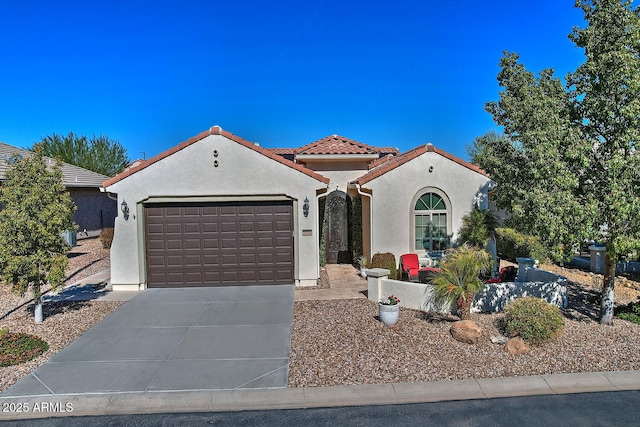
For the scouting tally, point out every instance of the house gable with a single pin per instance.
(214, 130)
(389, 163)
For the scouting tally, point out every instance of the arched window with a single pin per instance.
(430, 214)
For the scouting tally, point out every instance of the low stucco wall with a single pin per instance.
(493, 298)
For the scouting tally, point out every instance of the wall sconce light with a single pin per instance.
(125, 210)
(305, 207)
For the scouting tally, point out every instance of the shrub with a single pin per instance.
(106, 237)
(630, 312)
(511, 245)
(385, 260)
(534, 320)
(17, 348)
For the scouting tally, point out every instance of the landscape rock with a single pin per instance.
(466, 331)
(516, 346)
(498, 339)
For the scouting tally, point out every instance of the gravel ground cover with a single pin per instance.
(63, 321)
(342, 342)
(339, 342)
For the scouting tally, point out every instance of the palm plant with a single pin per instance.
(478, 226)
(459, 276)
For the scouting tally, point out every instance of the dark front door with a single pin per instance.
(338, 238)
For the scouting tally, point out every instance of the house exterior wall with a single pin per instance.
(95, 210)
(340, 173)
(190, 175)
(394, 195)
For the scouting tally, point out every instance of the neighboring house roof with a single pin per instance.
(388, 163)
(73, 176)
(215, 130)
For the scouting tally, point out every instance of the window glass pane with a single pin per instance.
(421, 204)
(438, 204)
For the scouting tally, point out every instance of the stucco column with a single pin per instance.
(374, 282)
(524, 264)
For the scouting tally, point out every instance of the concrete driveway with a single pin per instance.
(233, 337)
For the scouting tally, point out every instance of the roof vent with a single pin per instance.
(256, 144)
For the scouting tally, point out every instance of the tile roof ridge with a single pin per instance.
(341, 138)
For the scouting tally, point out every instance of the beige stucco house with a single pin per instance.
(219, 210)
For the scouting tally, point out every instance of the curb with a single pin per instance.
(64, 405)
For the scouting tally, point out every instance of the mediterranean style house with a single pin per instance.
(220, 210)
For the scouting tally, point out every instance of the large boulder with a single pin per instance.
(516, 346)
(466, 331)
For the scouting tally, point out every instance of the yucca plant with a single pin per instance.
(459, 276)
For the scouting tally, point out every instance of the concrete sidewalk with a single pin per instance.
(312, 397)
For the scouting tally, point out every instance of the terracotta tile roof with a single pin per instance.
(388, 150)
(377, 162)
(385, 164)
(215, 130)
(282, 151)
(335, 144)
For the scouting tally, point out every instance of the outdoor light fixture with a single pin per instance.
(125, 209)
(305, 207)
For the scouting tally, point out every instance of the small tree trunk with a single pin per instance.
(37, 312)
(463, 307)
(606, 307)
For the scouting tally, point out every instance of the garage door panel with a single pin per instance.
(195, 211)
(246, 242)
(173, 244)
(228, 259)
(265, 226)
(192, 243)
(246, 226)
(173, 261)
(173, 229)
(192, 227)
(210, 227)
(210, 243)
(173, 212)
(229, 243)
(193, 260)
(219, 244)
(210, 260)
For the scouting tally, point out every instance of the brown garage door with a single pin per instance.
(225, 243)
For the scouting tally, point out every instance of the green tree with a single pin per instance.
(566, 168)
(459, 276)
(99, 153)
(37, 210)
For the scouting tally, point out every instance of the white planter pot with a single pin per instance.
(389, 313)
(363, 273)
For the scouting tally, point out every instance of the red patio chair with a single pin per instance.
(410, 266)
(507, 274)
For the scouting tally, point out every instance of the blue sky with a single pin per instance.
(281, 73)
